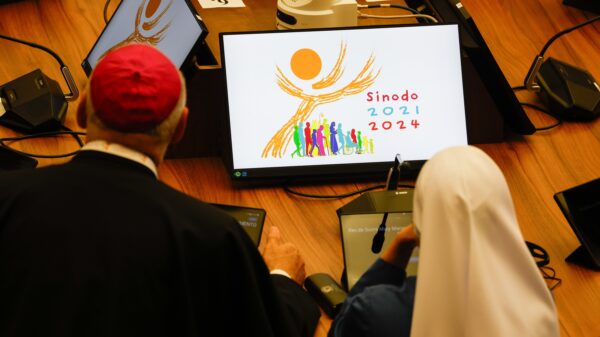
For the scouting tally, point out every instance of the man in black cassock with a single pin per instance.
(99, 247)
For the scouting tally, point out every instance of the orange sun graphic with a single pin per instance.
(306, 64)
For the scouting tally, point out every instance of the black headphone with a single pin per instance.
(540, 255)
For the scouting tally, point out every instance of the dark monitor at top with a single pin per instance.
(477, 54)
(173, 26)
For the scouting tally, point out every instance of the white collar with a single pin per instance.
(121, 151)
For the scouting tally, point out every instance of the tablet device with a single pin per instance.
(173, 26)
(581, 206)
(251, 219)
(340, 101)
(359, 222)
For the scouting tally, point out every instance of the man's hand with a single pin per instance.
(283, 255)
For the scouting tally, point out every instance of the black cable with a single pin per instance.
(35, 45)
(539, 108)
(539, 58)
(568, 30)
(332, 196)
(406, 8)
(550, 274)
(340, 196)
(74, 134)
(412, 10)
(106, 11)
(42, 134)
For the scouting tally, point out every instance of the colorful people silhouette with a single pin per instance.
(359, 139)
(341, 137)
(332, 139)
(320, 141)
(326, 134)
(308, 137)
(314, 143)
(302, 138)
(297, 142)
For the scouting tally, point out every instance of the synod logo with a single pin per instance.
(149, 25)
(306, 65)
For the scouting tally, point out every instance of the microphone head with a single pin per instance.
(378, 241)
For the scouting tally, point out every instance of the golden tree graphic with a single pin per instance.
(306, 64)
(144, 25)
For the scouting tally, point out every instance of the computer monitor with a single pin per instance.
(173, 26)
(343, 101)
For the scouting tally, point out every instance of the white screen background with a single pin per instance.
(423, 60)
(177, 42)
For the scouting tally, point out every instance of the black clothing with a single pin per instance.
(99, 247)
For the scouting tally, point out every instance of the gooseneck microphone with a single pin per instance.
(391, 184)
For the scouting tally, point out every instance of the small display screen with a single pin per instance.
(357, 235)
(581, 207)
(251, 219)
(170, 25)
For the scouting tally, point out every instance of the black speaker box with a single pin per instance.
(569, 92)
(33, 103)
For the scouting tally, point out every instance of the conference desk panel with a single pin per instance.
(535, 166)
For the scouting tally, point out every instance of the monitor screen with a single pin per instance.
(172, 26)
(337, 101)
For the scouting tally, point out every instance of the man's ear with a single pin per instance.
(181, 124)
(81, 111)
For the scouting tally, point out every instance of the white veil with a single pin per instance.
(476, 277)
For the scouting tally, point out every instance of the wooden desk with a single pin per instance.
(535, 166)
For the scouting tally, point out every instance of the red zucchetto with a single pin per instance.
(134, 88)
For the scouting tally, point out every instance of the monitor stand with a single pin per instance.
(581, 257)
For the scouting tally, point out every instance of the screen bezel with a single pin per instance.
(234, 209)
(565, 201)
(87, 68)
(317, 173)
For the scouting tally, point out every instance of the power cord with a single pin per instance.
(415, 13)
(340, 196)
(541, 109)
(529, 81)
(66, 131)
(549, 274)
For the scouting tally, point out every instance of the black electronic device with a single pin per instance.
(328, 294)
(569, 92)
(581, 207)
(488, 94)
(311, 109)
(34, 102)
(586, 5)
(11, 160)
(250, 218)
(361, 219)
(172, 26)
